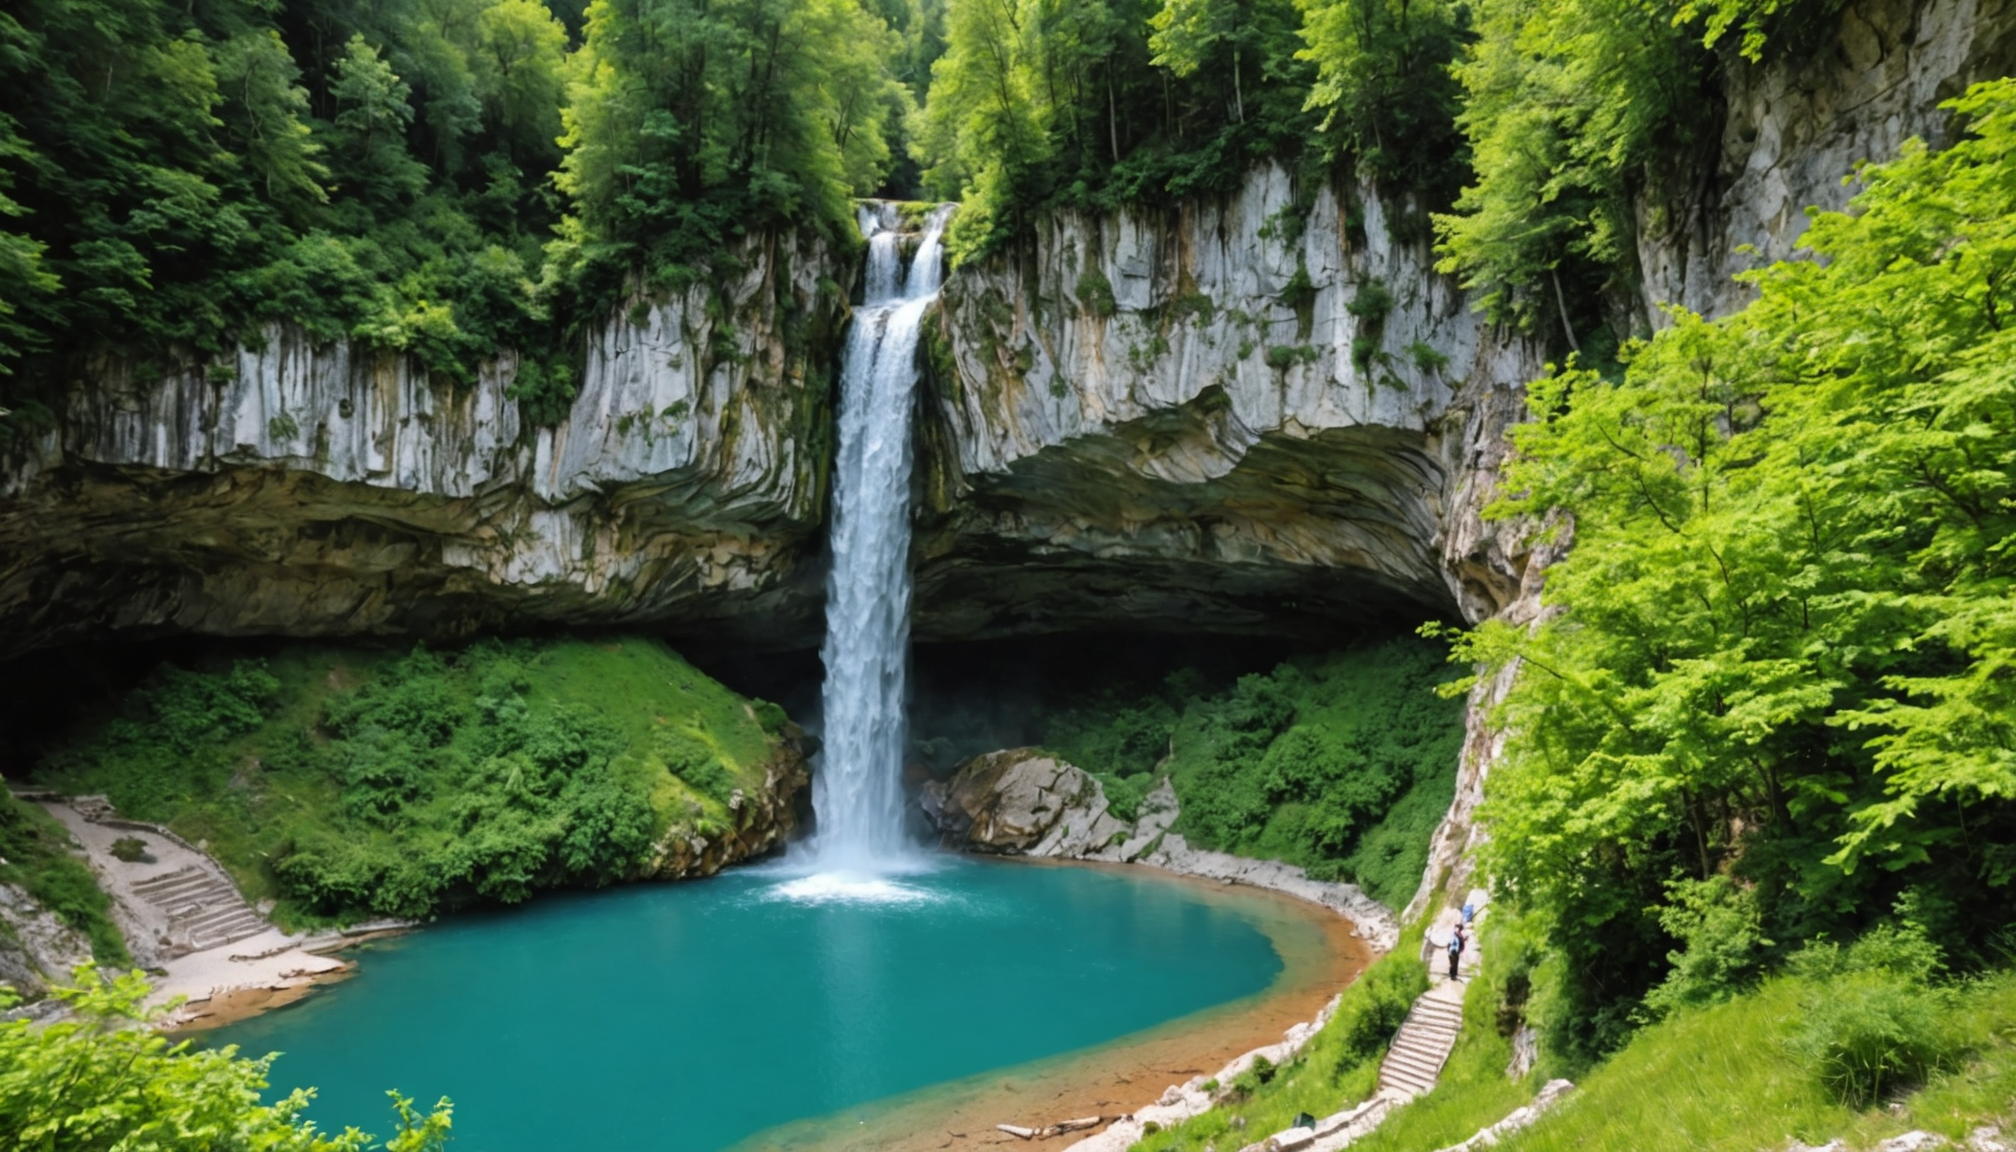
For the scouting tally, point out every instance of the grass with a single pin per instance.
(1722, 1079)
(1337, 1069)
(1342, 763)
(344, 782)
(1719, 1079)
(36, 851)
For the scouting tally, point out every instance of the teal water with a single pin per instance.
(686, 1017)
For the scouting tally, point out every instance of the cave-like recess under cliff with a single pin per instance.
(1215, 440)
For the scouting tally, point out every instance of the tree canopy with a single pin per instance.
(100, 1078)
(1787, 627)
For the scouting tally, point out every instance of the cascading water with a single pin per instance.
(857, 793)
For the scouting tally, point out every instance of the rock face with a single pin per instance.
(1800, 124)
(1263, 415)
(1023, 801)
(37, 949)
(316, 490)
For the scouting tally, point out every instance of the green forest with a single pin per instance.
(1752, 833)
(451, 178)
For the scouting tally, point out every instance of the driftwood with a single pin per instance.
(1057, 1129)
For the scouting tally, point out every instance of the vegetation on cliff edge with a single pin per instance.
(1342, 763)
(1776, 699)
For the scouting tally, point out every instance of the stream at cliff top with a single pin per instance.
(693, 1016)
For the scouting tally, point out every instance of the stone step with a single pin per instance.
(183, 875)
(236, 922)
(213, 916)
(1410, 1070)
(240, 931)
(195, 906)
(185, 894)
(1409, 1085)
(1428, 1029)
(1433, 1054)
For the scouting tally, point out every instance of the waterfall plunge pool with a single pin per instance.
(760, 1010)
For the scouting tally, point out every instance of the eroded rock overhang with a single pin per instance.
(314, 488)
(1263, 415)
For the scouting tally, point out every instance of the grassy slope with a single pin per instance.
(36, 854)
(257, 791)
(1342, 763)
(1719, 1079)
(1376, 728)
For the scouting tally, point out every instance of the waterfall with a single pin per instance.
(857, 793)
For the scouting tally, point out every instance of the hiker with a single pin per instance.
(1469, 914)
(1455, 949)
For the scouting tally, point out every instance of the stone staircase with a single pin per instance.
(1414, 1063)
(204, 909)
(1422, 1045)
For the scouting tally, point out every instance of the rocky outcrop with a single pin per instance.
(1023, 801)
(37, 949)
(1799, 124)
(313, 489)
(1262, 415)
(1027, 802)
(760, 822)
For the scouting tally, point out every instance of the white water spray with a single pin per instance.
(857, 793)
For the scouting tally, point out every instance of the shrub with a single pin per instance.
(101, 1079)
(431, 781)
(1872, 1033)
(1095, 292)
(770, 716)
(131, 849)
(1721, 929)
(1368, 1018)
(1873, 1021)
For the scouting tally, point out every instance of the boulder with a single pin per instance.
(1022, 801)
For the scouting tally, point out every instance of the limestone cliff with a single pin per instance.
(1264, 414)
(1797, 125)
(1795, 129)
(319, 489)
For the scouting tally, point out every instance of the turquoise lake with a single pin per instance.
(690, 1016)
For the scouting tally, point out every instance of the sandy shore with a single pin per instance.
(1321, 954)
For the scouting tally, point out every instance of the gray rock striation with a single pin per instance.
(319, 489)
(1247, 416)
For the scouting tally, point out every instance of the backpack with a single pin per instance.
(1455, 944)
